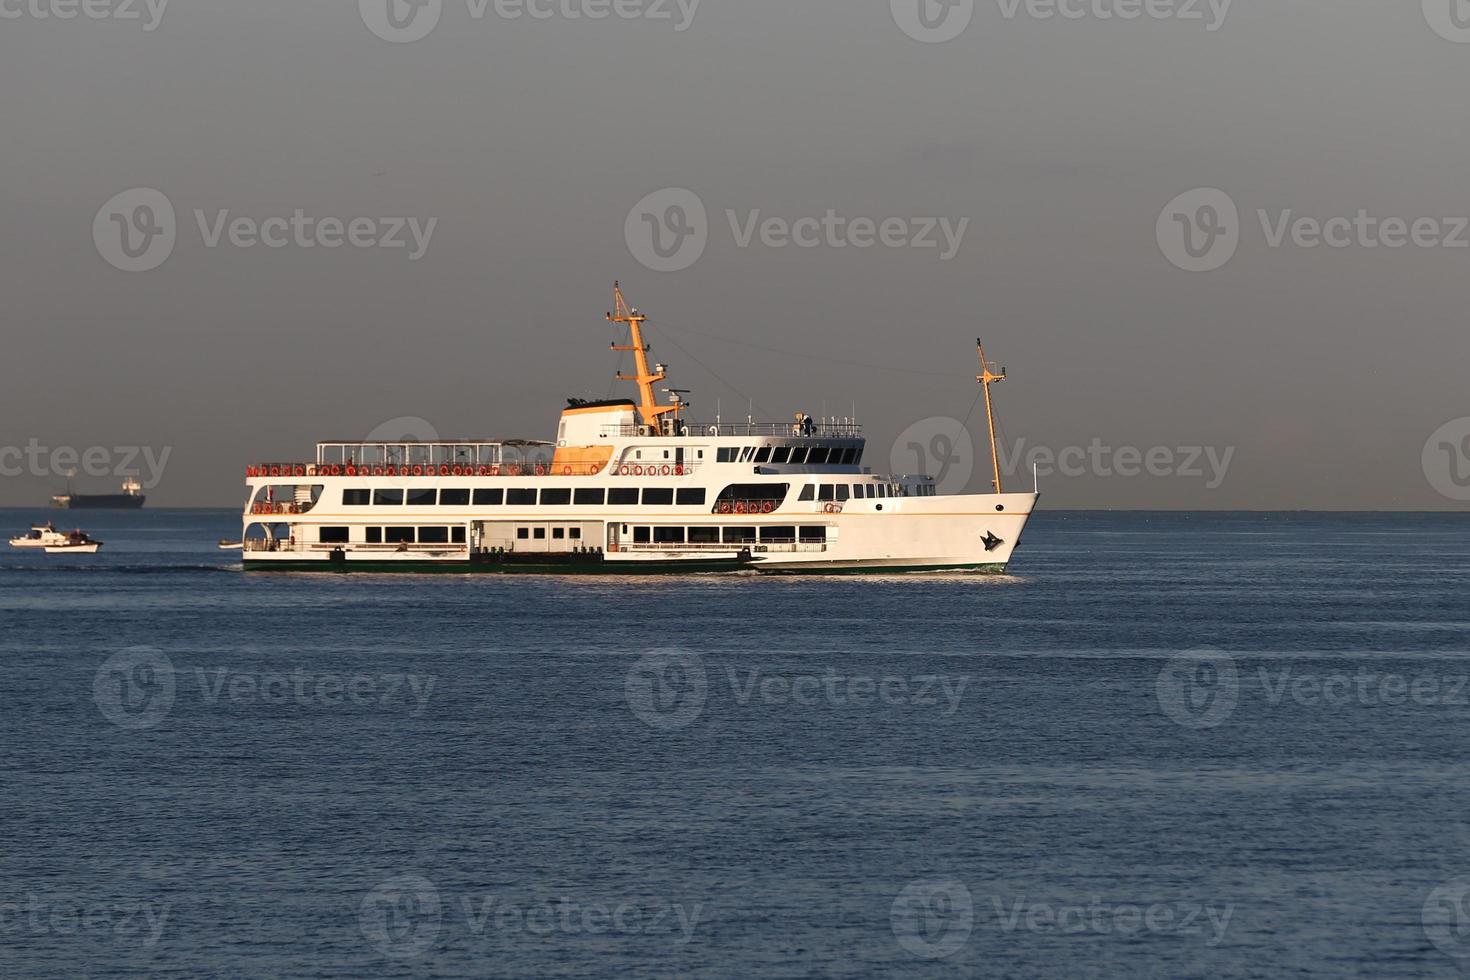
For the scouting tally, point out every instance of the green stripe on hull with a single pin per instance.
(597, 568)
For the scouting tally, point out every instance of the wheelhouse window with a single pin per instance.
(817, 456)
(726, 454)
(658, 496)
(591, 497)
(333, 535)
(798, 455)
(556, 497)
(521, 497)
(423, 498)
(826, 492)
(455, 498)
(388, 498)
(808, 492)
(781, 454)
(842, 495)
(763, 454)
(691, 497)
(489, 497)
(623, 496)
(358, 497)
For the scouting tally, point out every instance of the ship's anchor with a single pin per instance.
(990, 541)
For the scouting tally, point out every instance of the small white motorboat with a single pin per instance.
(56, 542)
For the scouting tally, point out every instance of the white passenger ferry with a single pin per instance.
(627, 487)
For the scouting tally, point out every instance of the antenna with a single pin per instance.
(645, 379)
(988, 377)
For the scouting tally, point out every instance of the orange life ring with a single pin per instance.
(300, 470)
(275, 471)
(484, 471)
(678, 471)
(724, 507)
(443, 469)
(665, 471)
(377, 471)
(514, 469)
(495, 470)
(418, 470)
(540, 470)
(740, 507)
(767, 507)
(457, 470)
(566, 471)
(624, 470)
(637, 471)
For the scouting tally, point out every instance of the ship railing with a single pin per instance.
(752, 508)
(781, 545)
(268, 507)
(298, 471)
(458, 452)
(714, 430)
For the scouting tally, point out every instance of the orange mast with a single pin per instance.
(648, 406)
(988, 377)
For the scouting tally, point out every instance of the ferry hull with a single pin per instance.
(976, 533)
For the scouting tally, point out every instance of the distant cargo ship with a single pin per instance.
(131, 498)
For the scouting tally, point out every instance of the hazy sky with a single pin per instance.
(1315, 375)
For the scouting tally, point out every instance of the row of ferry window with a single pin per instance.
(525, 497)
(843, 492)
(397, 535)
(793, 455)
(731, 535)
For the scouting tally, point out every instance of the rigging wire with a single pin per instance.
(791, 353)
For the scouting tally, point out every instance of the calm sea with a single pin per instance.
(1168, 745)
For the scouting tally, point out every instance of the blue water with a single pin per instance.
(209, 773)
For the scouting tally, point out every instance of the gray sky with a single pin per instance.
(530, 141)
